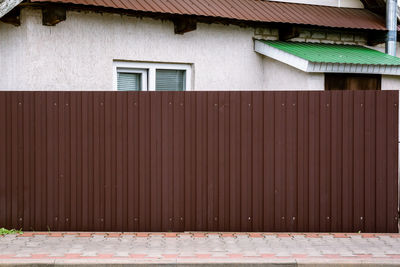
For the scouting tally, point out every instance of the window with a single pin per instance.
(170, 80)
(131, 80)
(142, 76)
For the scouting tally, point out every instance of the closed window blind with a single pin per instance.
(170, 80)
(129, 81)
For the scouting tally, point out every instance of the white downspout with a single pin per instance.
(391, 25)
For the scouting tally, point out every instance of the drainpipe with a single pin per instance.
(391, 25)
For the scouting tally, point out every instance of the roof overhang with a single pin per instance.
(322, 67)
(7, 5)
(250, 12)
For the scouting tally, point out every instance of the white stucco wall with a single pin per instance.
(390, 82)
(12, 55)
(280, 76)
(336, 3)
(78, 54)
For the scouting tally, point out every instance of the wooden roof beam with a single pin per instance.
(183, 25)
(13, 17)
(52, 15)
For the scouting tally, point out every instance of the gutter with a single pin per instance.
(7, 5)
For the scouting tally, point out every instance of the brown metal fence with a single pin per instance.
(215, 161)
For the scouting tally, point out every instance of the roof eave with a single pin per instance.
(277, 54)
(7, 5)
(322, 67)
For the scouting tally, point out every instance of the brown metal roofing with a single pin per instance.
(248, 10)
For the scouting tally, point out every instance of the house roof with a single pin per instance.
(247, 10)
(316, 57)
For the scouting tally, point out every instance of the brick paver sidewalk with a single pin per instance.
(201, 248)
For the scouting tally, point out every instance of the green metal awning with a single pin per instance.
(316, 57)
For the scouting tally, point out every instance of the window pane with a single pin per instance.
(170, 80)
(129, 81)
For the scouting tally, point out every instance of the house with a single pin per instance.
(203, 161)
(194, 45)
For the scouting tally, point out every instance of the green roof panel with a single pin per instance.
(334, 53)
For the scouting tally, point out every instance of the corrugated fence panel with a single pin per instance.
(302, 162)
(336, 160)
(215, 161)
(3, 159)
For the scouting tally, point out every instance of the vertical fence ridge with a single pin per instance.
(205, 161)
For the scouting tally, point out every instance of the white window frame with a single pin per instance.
(148, 71)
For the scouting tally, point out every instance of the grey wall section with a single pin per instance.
(215, 161)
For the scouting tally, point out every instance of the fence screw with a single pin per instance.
(101, 104)
(20, 103)
(249, 105)
(55, 104)
(170, 219)
(283, 218)
(135, 104)
(102, 220)
(362, 104)
(249, 218)
(170, 103)
(56, 219)
(294, 104)
(20, 219)
(181, 218)
(327, 218)
(67, 104)
(283, 104)
(294, 218)
(181, 104)
(136, 219)
(216, 219)
(67, 219)
(327, 105)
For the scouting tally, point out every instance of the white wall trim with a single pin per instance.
(7, 5)
(317, 67)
